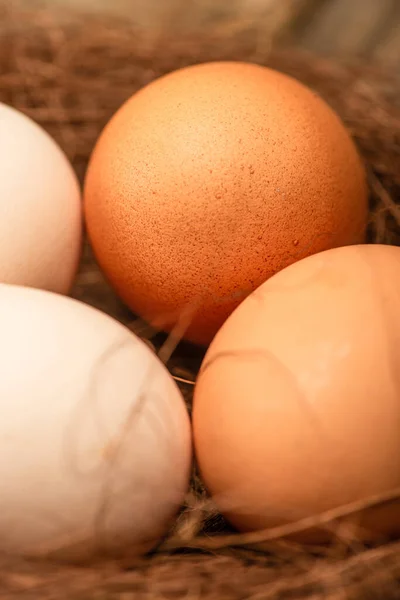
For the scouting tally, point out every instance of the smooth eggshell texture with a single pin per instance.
(211, 179)
(40, 207)
(95, 442)
(297, 406)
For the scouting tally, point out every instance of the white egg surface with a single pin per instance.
(95, 442)
(40, 207)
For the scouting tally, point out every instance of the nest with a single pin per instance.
(70, 74)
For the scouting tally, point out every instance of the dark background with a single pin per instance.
(368, 29)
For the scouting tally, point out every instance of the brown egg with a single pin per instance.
(211, 179)
(297, 405)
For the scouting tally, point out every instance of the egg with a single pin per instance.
(211, 179)
(40, 207)
(297, 405)
(95, 440)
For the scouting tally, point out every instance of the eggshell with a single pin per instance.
(95, 442)
(40, 207)
(297, 406)
(211, 179)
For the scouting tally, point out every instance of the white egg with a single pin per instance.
(95, 440)
(40, 207)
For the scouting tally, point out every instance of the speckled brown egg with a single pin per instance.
(211, 179)
(297, 405)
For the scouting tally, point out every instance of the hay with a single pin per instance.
(70, 74)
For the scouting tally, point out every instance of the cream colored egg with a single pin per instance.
(95, 443)
(40, 207)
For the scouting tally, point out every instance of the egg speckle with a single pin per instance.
(211, 179)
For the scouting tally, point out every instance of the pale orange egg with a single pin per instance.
(297, 406)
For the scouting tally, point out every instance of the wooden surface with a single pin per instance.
(364, 28)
